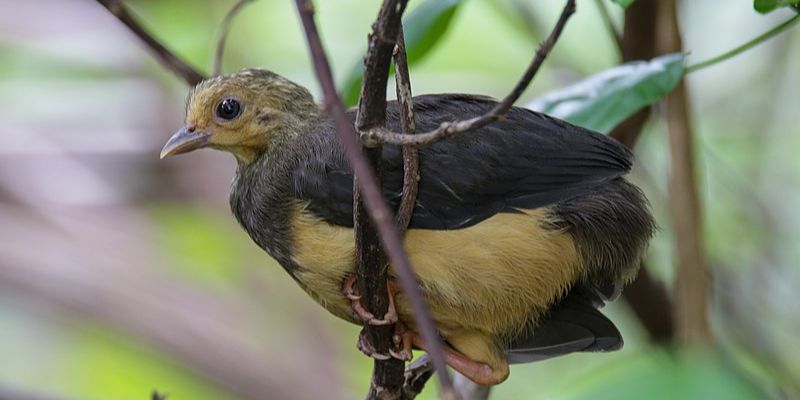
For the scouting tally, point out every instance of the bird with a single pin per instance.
(521, 230)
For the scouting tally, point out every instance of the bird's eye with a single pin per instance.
(228, 109)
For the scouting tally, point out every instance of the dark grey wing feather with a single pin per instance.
(526, 160)
(572, 325)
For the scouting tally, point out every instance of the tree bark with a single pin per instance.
(647, 297)
(692, 283)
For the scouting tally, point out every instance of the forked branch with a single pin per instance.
(447, 129)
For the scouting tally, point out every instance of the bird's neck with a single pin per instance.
(261, 200)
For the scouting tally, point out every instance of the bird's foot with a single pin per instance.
(403, 340)
(401, 350)
(365, 345)
(351, 292)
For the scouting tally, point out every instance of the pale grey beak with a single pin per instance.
(184, 141)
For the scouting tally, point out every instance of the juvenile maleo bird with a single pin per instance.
(521, 229)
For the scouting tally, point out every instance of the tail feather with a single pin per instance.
(573, 325)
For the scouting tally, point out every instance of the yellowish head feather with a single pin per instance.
(271, 108)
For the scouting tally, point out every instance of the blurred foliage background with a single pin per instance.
(120, 273)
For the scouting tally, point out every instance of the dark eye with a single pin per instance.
(228, 109)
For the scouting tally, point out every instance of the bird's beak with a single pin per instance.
(184, 141)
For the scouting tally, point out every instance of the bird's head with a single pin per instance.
(245, 113)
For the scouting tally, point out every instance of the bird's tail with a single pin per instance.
(574, 324)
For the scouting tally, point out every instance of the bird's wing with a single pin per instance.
(524, 161)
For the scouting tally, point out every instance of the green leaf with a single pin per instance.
(765, 6)
(660, 376)
(601, 101)
(423, 27)
(623, 3)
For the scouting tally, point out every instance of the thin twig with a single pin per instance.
(417, 373)
(447, 129)
(224, 30)
(166, 57)
(376, 207)
(410, 154)
(744, 47)
(608, 22)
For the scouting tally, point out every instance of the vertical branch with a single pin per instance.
(647, 297)
(693, 281)
(410, 153)
(368, 186)
(166, 57)
(371, 266)
(638, 43)
(418, 372)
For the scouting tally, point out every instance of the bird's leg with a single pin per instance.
(402, 340)
(351, 292)
(475, 371)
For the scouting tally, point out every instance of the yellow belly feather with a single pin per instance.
(492, 278)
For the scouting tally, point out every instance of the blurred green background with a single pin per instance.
(120, 273)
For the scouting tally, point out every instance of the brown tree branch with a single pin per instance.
(224, 30)
(647, 297)
(368, 184)
(371, 267)
(408, 126)
(166, 57)
(417, 374)
(692, 281)
(378, 135)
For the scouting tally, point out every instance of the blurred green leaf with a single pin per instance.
(600, 102)
(423, 27)
(661, 376)
(765, 6)
(623, 3)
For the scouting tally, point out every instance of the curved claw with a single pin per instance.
(401, 355)
(366, 347)
(349, 290)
